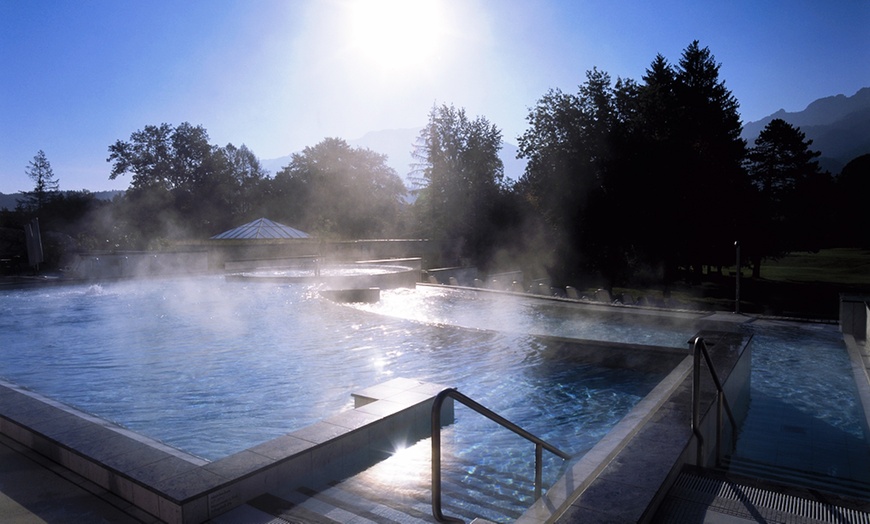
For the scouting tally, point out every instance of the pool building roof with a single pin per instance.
(262, 228)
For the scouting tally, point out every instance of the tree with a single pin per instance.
(569, 147)
(335, 190)
(853, 189)
(45, 185)
(688, 156)
(789, 182)
(462, 177)
(181, 184)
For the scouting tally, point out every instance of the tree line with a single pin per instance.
(626, 181)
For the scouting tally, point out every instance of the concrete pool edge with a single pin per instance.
(859, 357)
(569, 487)
(178, 488)
(644, 464)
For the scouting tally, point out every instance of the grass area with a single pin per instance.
(848, 267)
(803, 285)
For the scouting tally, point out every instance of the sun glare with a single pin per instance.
(396, 35)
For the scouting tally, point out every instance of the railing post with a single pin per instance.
(719, 398)
(696, 401)
(539, 469)
(540, 445)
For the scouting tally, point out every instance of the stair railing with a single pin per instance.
(540, 445)
(699, 347)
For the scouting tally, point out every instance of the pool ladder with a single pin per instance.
(699, 348)
(540, 445)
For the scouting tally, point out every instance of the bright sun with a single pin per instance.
(396, 35)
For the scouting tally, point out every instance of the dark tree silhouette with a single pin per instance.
(787, 177)
(45, 186)
(853, 190)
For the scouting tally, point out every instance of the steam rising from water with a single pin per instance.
(214, 367)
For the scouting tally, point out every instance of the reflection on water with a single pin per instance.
(214, 367)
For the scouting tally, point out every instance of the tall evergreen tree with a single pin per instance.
(687, 133)
(786, 174)
(45, 186)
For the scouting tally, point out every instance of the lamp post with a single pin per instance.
(737, 287)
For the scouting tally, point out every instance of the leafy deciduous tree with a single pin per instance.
(462, 181)
(335, 190)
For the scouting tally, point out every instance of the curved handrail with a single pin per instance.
(699, 347)
(540, 445)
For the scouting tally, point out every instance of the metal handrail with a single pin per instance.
(540, 445)
(699, 347)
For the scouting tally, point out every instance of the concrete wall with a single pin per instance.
(221, 252)
(854, 312)
(90, 266)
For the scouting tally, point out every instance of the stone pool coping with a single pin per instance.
(177, 487)
(625, 476)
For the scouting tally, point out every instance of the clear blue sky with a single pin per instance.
(279, 75)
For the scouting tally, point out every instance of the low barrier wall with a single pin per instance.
(179, 488)
(854, 312)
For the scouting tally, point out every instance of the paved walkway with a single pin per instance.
(34, 490)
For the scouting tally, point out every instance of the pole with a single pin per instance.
(737, 288)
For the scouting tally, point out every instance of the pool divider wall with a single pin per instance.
(179, 488)
(854, 315)
(625, 477)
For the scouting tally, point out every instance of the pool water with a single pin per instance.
(214, 367)
(536, 316)
(805, 416)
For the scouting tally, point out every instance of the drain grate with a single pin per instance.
(752, 497)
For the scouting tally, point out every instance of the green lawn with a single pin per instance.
(806, 285)
(835, 266)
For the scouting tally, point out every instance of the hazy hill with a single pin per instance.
(839, 127)
(398, 145)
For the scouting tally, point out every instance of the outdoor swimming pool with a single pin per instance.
(214, 367)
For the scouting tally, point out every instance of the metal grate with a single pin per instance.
(760, 498)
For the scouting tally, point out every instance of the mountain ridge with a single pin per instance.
(838, 125)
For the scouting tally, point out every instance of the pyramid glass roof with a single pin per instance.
(261, 228)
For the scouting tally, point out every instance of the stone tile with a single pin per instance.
(132, 455)
(282, 447)
(238, 465)
(320, 432)
(382, 408)
(352, 419)
(156, 472)
(189, 483)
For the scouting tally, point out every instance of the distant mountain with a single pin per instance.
(839, 127)
(398, 145)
